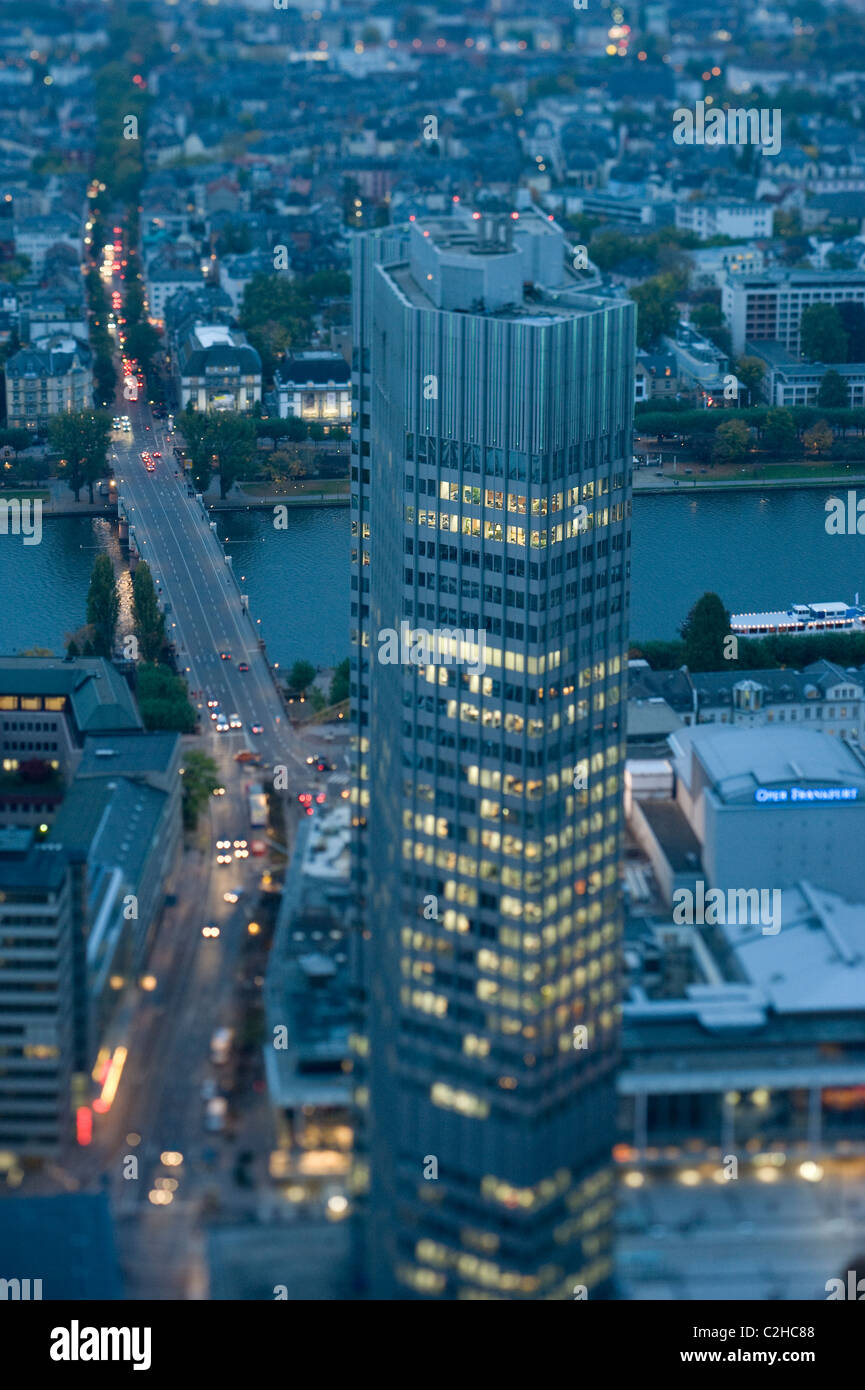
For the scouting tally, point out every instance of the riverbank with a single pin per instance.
(792, 482)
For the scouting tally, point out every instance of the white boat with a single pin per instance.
(800, 618)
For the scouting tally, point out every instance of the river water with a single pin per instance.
(755, 552)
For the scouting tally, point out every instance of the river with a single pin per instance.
(756, 552)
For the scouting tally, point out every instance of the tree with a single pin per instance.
(164, 700)
(142, 345)
(657, 311)
(339, 689)
(705, 316)
(81, 438)
(220, 441)
(610, 247)
(819, 437)
(103, 606)
(732, 441)
(704, 632)
(821, 334)
(779, 431)
(750, 371)
(832, 392)
(200, 779)
(301, 675)
(276, 315)
(852, 316)
(148, 616)
(231, 440)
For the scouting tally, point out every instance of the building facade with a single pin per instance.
(491, 506)
(38, 979)
(732, 217)
(757, 307)
(45, 380)
(314, 386)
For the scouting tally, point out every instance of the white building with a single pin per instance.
(315, 386)
(733, 217)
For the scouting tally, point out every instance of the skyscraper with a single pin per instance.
(490, 560)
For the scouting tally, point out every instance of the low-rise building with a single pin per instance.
(52, 376)
(790, 381)
(822, 695)
(315, 386)
(35, 236)
(307, 994)
(732, 217)
(217, 369)
(736, 1042)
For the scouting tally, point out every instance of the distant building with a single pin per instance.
(314, 386)
(216, 369)
(308, 992)
(732, 217)
(822, 694)
(700, 366)
(236, 272)
(120, 827)
(790, 381)
(35, 236)
(112, 819)
(770, 806)
(48, 706)
(769, 306)
(655, 376)
(659, 702)
(49, 378)
(739, 1043)
(712, 264)
(164, 280)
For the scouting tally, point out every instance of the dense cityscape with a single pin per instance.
(432, 664)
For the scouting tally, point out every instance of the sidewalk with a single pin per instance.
(646, 481)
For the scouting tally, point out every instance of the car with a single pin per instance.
(214, 1115)
(210, 930)
(258, 847)
(233, 895)
(157, 454)
(243, 665)
(220, 1045)
(235, 721)
(247, 756)
(115, 423)
(212, 703)
(225, 656)
(219, 791)
(256, 728)
(222, 724)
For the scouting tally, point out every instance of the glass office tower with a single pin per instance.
(490, 565)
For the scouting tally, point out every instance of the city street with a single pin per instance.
(159, 1108)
